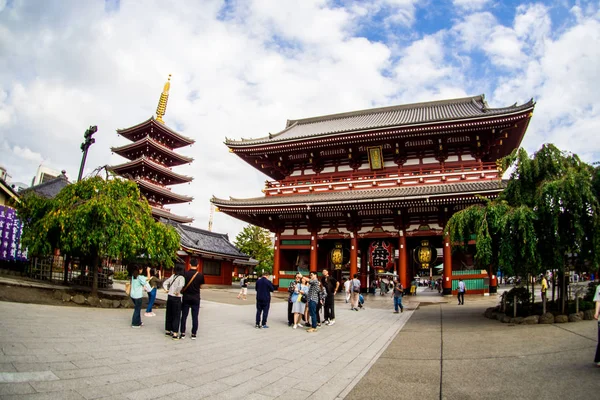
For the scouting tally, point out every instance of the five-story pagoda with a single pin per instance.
(152, 157)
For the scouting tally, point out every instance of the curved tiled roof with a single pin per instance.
(207, 241)
(184, 140)
(175, 158)
(168, 215)
(152, 165)
(386, 117)
(366, 195)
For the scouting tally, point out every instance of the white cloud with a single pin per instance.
(470, 5)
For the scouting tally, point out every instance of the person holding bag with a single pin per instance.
(173, 286)
(191, 298)
(298, 306)
(137, 284)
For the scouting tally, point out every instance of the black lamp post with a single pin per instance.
(85, 146)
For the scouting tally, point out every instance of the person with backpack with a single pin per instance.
(135, 288)
(355, 292)
(191, 298)
(243, 287)
(173, 286)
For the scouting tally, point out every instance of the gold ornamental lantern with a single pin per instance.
(337, 256)
(425, 254)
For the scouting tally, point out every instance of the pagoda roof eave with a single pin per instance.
(363, 196)
(158, 146)
(164, 214)
(462, 110)
(151, 164)
(152, 121)
(180, 198)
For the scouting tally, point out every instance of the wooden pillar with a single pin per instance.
(493, 280)
(402, 260)
(353, 255)
(447, 283)
(314, 248)
(276, 260)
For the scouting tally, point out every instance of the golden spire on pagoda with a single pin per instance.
(162, 102)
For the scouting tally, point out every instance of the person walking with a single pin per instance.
(331, 288)
(191, 298)
(461, 292)
(596, 316)
(243, 288)
(355, 292)
(397, 295)
(347, 289)
(291, 291)
(136, 291)
(153, 277)
(313, 299)
(264, 287)
(173, 286)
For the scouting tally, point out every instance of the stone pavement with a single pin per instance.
(50, 352)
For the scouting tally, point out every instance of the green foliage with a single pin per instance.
(519, 294)
(256, 242)
(96, 218)
(549, 209)
(121, 276)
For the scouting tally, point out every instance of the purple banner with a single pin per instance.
(10, 235)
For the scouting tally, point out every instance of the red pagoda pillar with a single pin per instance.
(314, 248)
(353, 255)
(402, 260)
(447, 283)
(276, 258)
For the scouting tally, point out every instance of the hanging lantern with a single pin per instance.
(337, 256)
(425, 254)
(381, 255)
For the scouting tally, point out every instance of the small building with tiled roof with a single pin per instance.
(48, 189)
(349, 190)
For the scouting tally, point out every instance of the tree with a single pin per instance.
(548, 211)
(97, 218)
(256, 242)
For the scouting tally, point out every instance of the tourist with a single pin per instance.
(355, 291)
(153, 276)
(331, 288)
(461, 292)
(313, 299)
(300, 293)
(413, 287)
(191, 298)
(544, 289)
(347, 289)
(136, 291)
(596, 315)
(173, 286)
(264, 287)
(305, 316)
(321, 302)
(243, 287)
(291, 291)
(397, 295)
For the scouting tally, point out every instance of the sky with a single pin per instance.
(241, 68)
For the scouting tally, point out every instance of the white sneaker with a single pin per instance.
(326, 322)
(331, 322)
(295, 326)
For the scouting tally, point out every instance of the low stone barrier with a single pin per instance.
(548, 318)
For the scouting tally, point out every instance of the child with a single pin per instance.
(173, 286)
(243, 288)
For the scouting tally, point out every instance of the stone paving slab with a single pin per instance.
(94, 353)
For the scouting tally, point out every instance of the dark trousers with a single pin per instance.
(290, 313)
(597, 358)
(312, 310)
(398, 303)
(262, 309)
(461, 297)
(185, 309)
(319, 306)
(136, 320)
(151, 299)
(173, 314)
(329, 312)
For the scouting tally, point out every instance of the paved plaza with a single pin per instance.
(440, 351)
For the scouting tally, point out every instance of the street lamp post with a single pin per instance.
(85, 146)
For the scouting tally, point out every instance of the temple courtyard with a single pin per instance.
(434, 350)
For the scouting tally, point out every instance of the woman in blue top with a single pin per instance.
(138, 283)
(298, 306)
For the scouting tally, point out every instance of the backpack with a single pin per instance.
(356, 286)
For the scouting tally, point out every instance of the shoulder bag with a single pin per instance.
(190, 282)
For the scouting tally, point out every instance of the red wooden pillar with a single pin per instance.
(353, 255)
(402, 260)
(447, 283)
(314, 248)
(276, 260)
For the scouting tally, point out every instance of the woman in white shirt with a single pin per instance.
(173, 286)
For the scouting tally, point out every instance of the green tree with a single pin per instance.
(549, 210)
(97, 218)
(256, 242)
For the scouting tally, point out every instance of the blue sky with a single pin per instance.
(241, 68)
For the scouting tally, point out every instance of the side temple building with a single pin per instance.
(371, 191)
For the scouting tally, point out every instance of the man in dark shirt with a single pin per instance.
(331, 286)
(264, 287)
(191, 297)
